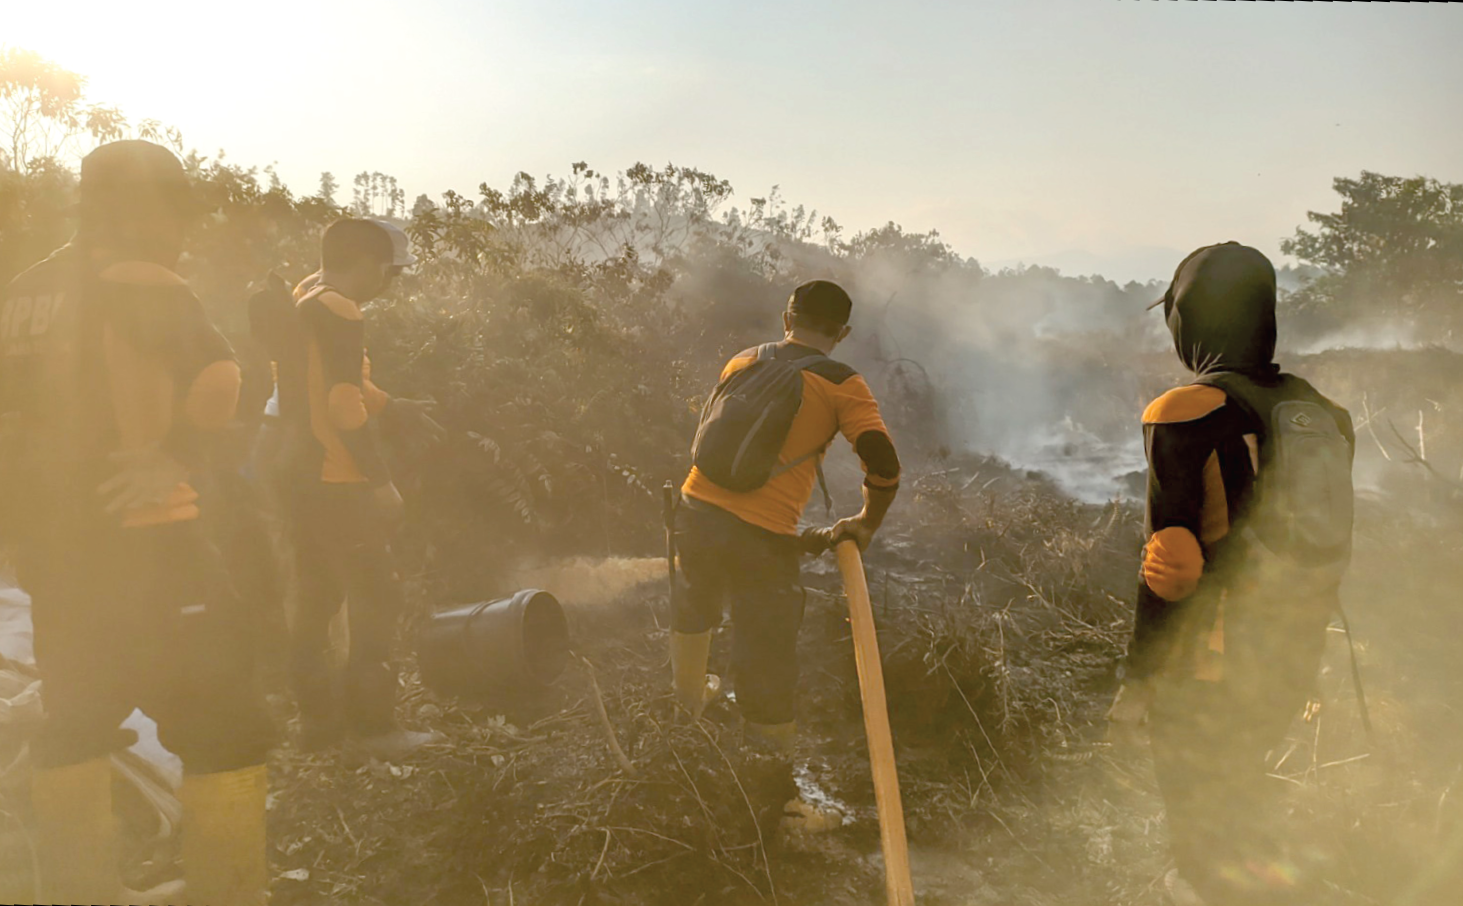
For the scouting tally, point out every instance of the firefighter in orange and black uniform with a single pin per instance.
(343, 503)
(1229, 634)
(741, 548)
(114, 385)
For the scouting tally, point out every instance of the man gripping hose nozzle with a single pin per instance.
(757, 455)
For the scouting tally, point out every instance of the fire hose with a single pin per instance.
(898, 882)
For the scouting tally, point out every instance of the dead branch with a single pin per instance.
(1369, 421)
(1417, 456)
(761, 843)
(604, 719)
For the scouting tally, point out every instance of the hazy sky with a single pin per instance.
(1088, 133)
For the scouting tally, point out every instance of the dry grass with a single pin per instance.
(1002, 606)
(994, 645)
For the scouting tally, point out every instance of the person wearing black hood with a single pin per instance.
(1249, 516)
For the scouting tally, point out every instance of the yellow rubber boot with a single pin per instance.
(695, 688)
(224, 859)
(77, 833)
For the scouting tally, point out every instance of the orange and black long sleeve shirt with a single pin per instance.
(1203, 457)
(102, 357)
(836, 400)
(330, 392)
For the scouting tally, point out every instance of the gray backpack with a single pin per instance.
(746, 421)
(1298, 529)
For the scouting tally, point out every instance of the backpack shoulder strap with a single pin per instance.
(1257, 401)
(789, 466)
(804, 364)
(1260, 400)
(814, 360)
(826, 367)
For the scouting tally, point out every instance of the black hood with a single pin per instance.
(1221, 311)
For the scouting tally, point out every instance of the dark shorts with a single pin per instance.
(342, 552)
(144, 619)
(726, 561)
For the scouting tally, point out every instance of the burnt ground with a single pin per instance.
(1002, 606)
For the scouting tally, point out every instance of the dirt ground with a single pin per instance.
(1002, 607)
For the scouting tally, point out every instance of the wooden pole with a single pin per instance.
(897, 879)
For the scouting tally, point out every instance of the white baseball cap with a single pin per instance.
(400, 244)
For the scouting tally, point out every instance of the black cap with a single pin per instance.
(133, 171)
(823, 302)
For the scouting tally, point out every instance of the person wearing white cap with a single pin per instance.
(275, 295)
(342, 499)
(402, 258)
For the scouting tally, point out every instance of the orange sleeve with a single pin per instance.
(347, 407)
(860, 422)
(858, 412)
(338, 331)
(741, 361)
(1184, 404)
(175, 377)
(213, 397)
(1173, 563)
(375, 398)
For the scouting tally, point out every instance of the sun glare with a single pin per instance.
(167, 59)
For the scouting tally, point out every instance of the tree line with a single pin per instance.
(567, 325)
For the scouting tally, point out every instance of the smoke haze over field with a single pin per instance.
(1002, 139)
(1381, 333)
(1071, 133)
(1029, 365)
(1140, 264)
(564, 331)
